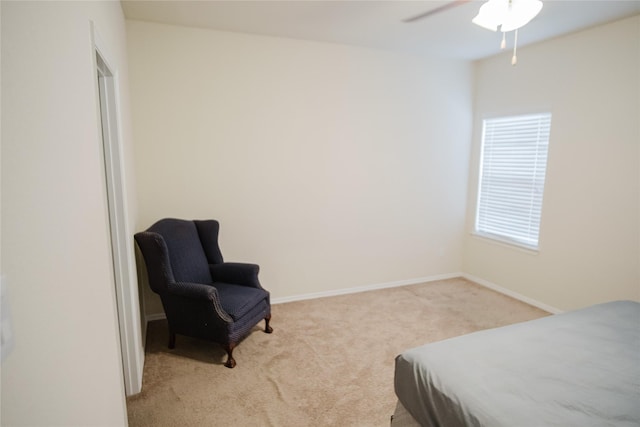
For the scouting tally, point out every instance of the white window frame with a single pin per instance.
(510, 211)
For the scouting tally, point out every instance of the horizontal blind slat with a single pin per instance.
(513, 169)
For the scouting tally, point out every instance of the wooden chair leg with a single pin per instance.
(268, 329)
(231, 362)
(172, 340)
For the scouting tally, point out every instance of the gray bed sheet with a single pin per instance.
(580, 368)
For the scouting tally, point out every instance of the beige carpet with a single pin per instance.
(329, 361)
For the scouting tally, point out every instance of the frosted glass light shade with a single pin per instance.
(509, 15)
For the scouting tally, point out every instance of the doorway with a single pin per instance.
(121, 247)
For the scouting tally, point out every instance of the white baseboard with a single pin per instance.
(323, 294)
(511, 294)
(407, 282)
(365, 288)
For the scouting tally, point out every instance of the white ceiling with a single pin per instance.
(378, 24)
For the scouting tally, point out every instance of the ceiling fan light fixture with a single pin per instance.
(509, 15)
(520, 14)
(490, 15)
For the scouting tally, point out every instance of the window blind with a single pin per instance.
(512, 174)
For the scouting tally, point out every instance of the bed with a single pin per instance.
(580, 368)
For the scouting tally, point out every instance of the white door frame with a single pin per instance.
(126, 289)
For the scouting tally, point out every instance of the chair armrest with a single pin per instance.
(193, 290)
(198, 291)
(236, 273)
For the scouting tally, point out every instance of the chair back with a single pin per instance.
(186, 255)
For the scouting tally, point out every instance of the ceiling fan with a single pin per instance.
(439, 9)
(506, 15)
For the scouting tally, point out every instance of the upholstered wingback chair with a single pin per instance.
(202, 296)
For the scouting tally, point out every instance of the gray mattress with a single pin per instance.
(580, 368)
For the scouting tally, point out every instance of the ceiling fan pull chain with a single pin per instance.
(514, 59)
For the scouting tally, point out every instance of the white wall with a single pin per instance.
(330, 166)
(590, 228)
(65, 368)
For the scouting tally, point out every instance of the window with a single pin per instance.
(512, 172)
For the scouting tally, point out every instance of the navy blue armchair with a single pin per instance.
(202, 296)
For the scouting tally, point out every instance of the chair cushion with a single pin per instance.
(238, 300)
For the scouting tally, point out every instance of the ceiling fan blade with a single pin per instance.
(442, 8)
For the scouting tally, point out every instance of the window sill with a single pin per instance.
(497, 240)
